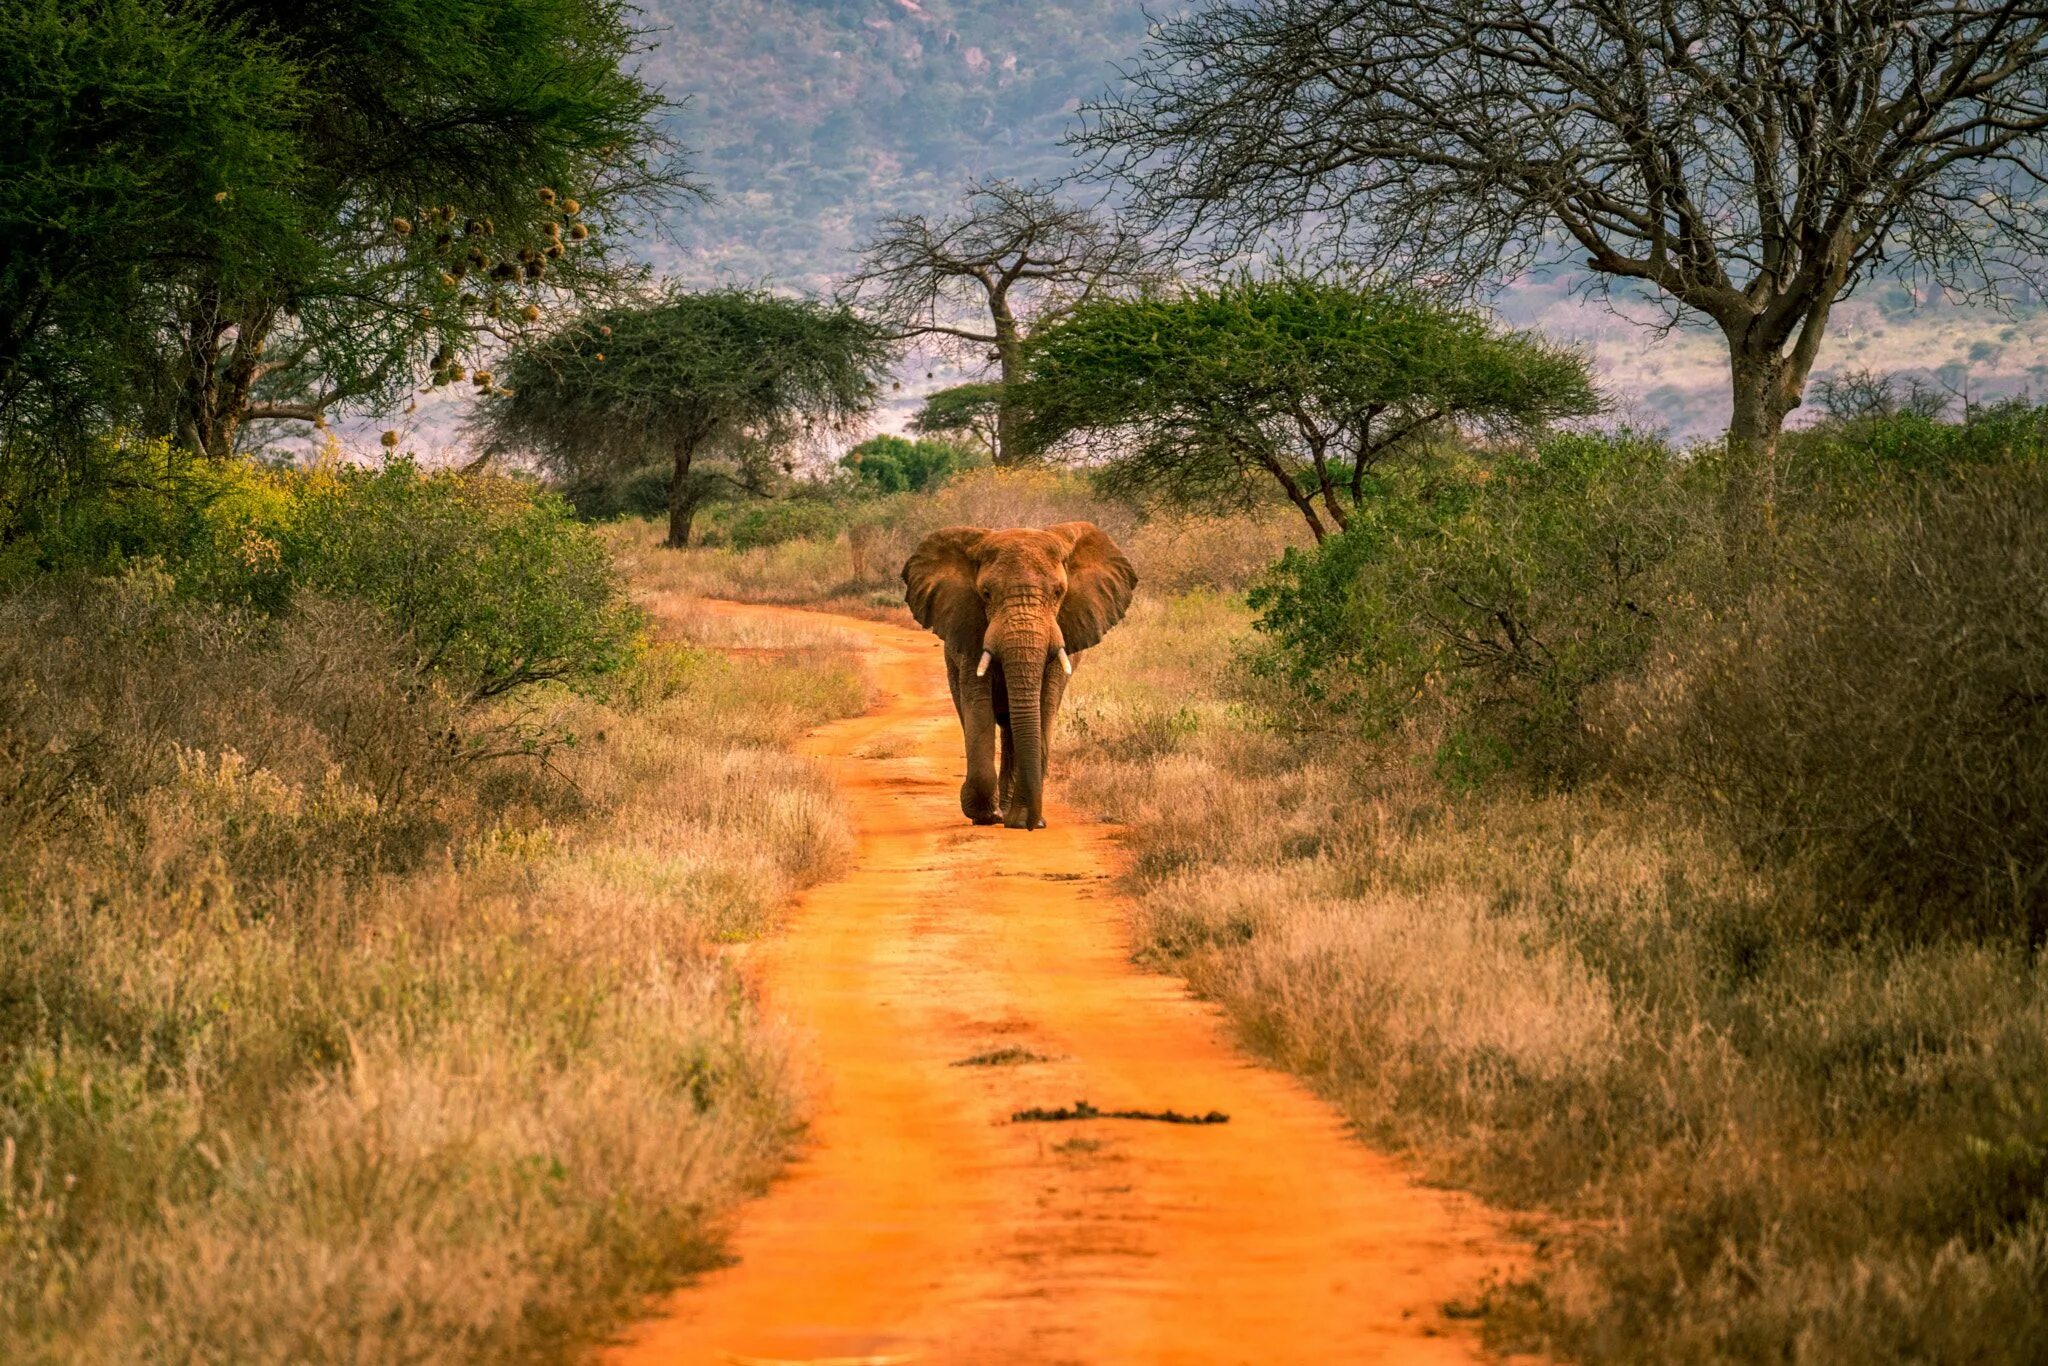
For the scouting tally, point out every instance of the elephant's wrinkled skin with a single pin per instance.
(1013, 608)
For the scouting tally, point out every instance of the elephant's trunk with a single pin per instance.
(1024, 664)
(1024, 675)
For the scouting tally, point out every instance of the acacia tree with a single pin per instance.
(1749, 160)
(684, 377)
(124, 125)
(966, 411)
(1206, 396)
(1015, 253)
(237, 210)
(463, 160)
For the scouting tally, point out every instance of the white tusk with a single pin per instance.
(1065, 663)
(982, 668)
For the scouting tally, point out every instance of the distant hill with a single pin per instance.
(813, 117)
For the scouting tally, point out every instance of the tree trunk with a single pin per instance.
(1749, 498)
(682, 499)
(1767, 381)
(1010, 362)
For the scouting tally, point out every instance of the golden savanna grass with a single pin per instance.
(331, 1037)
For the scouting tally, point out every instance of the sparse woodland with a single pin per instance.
(1650, 836)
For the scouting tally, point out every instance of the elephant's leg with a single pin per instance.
(1049, 695)
(978, 726)
(1007, 745)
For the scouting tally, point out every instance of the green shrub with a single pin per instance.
(1879, 711)
(490, 579)
(1499, 590)
(750, 526)
(895, 464)
(211, 524)
(641, 492)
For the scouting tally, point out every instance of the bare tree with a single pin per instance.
(1751, 161)
(1015, 253)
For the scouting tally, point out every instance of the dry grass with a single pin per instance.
(1768, 1148)
(857, 572)
(324, 1037)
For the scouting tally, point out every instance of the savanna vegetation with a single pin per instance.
(365, 844)
(1648, 837)
(361, 855)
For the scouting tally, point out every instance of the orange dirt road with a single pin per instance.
(923, 1225)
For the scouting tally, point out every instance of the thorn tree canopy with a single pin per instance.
(1015, 253)
(965, 410)
(273, 209)
(1207, 394)
(123, 126)
(1749, 160)
(681, 376)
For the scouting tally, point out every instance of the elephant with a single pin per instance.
(1014, 608)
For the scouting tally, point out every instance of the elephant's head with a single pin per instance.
(1023, 602)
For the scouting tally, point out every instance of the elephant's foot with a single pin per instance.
(1023, 821)
(978, 806)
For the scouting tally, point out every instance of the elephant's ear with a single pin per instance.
(1100, 582)
(938, 583)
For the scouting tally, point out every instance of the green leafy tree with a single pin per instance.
(964, 411)
(138, 143)
(1210, 395)
(465, 158)
(894, 464)
(244, 210)
(735, 374)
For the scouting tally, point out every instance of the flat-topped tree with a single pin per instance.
(1211, 394)
(685, 377)
(964, 411)
(1751, 161)
(1016, 256)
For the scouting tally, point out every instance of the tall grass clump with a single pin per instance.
(357, 992)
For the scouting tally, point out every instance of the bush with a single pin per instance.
(212, 524)
(489, 579)
(1500, 590)
(1879, 712)
(749, 526)
(894, 464)
(641, 492)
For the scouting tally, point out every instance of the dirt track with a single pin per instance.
(923, 1225)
